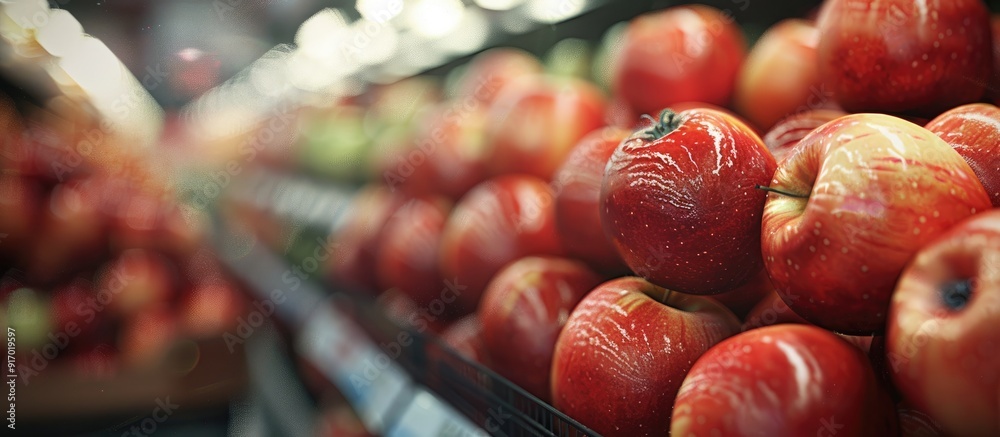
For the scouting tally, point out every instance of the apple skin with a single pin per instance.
(974, 131)
(780, 76)
(771, 310)
(905, 56)
(879, 188)
(408, 252)
(535, 122)
(786, 134)
(681, 207)
(497, 222)
(944, 358)
(683, 53)
(994, 89)
(624, 351)
(577, 184)
(524, 309)
(783, 380)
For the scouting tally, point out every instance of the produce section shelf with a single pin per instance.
(400, 380)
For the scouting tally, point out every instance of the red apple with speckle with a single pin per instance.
(625, 350)
(942, 334)
(787, 133)
(499, 221)
(850, 207)
(535, 122)
(785, 380)
(905, 56)
(684, 53)
(524, 309)
(578, 193)
(780, 76)
(974, 131)
(679, 203)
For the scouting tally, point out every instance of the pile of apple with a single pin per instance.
(827, 262)
(101, 272)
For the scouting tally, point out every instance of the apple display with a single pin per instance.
(942, 331)
(850, 206)
(624, 351)
(679, 204)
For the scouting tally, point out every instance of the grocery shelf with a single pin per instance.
(415, 389)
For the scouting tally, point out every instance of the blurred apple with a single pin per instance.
(357, 235)
(524, 309)
(465, 336)
(146, 337)
(211, 309)
(135, 281)
(489, 72)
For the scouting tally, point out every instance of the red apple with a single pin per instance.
(907, 56)
(407, 258)
(678, 201)
(524, 309)
(744, 298)
(785, 135)
(465, 336)
(578, 192)
(852, 204)
(535, 122)
(974, 131)
(625, 350)
(447, 156)
(684, 53)
(780, 76)
(942, 331)
(499, 221)
(785, 380)
(489, 72)
(137, 280)
(357, 236)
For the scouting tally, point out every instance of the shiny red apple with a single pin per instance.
(785, 380)
(780, 76)
(499, 221)
(577, 184)
(524, 309)
(942, 333)
(679, 203)
(684, 53)
(625, 350)
(855, 200)
(535, 122)
(909, 56)
(974, 131)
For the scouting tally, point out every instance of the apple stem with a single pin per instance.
(782, 192)
(668, 122)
